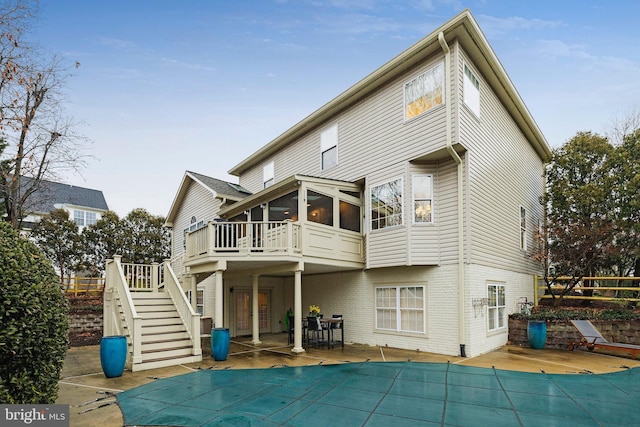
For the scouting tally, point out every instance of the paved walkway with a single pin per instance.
(354, 386)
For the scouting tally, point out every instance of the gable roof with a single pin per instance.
(462, 27)
(217, 187)
(52, 194)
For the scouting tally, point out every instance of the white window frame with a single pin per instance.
(416, 199)
(199, 308)
(523, 228)
(397, 218)
(328, 145)
(195, 225)
(268, 174)
(389, 310)
(471, 90)
(90, 218)
(496, 308)
(78, 217)
(424, 92)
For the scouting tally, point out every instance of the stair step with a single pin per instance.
(165, 345)
(152, 308)
(164, 336)
(164, 362)
(150, 295)
(155, 329)
(166, 353)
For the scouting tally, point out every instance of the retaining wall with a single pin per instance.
(561, 332)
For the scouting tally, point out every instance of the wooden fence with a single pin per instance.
(602, 288)
(83, 285)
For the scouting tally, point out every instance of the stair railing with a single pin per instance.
(117, 288)
(189, 317)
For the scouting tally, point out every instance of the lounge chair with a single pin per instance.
(592, 339)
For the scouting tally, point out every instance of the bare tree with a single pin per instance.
(41, 142)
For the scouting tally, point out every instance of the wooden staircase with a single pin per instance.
(165, 340)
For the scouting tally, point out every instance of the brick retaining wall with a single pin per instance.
(560, 332)
(85, 321)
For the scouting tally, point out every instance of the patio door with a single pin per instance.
(243, 306)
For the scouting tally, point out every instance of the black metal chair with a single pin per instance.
(290, 330)
(337, 326)
(315, 334)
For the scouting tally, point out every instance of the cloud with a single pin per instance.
(359, 24)
(116, 43)
(186, 65)
(492, 25)
(559, 49)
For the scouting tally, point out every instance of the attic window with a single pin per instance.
(268, 174)
(424, 92)
(329, 147)
(471, 91)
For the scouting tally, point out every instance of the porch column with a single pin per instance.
(297, 313)
(218, 314)
(255, 312)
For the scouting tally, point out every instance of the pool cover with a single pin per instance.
(384, 394)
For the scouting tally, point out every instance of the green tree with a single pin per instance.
(146, 240)
(582, 204)
(33, 315)
(101, 241)
(57, 236)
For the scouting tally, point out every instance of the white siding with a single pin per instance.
(504, 173)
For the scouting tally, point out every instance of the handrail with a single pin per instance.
(540, 288)
(189, 317)
(272, 236)
(116, 282)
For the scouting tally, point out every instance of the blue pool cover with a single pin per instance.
(384, 394)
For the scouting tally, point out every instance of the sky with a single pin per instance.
(167, 86)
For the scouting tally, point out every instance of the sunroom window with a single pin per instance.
(285, 207)
(319, 208)
(386, 205)
(349, 216)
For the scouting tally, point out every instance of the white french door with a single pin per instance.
(243, 306)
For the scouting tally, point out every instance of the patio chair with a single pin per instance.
(337, 326)
(315, 334)
(592, 339)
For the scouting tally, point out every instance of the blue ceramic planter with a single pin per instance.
(537, 333)
(220, 343)
(113, 355)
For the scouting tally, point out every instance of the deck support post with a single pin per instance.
(255, 312)
(297, 312)
(218, 315)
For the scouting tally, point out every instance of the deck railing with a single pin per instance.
(143, 277)
(83, 285)
(245, 237)
(117, 288)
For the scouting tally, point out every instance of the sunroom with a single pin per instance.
(301, 219)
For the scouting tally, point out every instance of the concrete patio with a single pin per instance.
(92, 402)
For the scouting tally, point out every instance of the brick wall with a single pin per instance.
(85, 321)
(560, 333)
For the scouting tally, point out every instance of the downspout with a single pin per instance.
(456, 158)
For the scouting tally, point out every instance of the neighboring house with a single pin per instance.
(408, 204)
(85, 206)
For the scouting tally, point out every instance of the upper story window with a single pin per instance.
(84, 218)
(422, 199)
(329, 147)
(471, 91)
(284, 208)
(424, 92)
(386, 204)
(319, 208)
(195, 225)
(523, 228)
(349, 216)
(268, 174)
(497, 307)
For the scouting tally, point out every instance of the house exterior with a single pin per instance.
(84, 205)
(408, 204)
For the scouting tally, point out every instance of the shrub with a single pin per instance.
(548, 313)
(33, 315)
